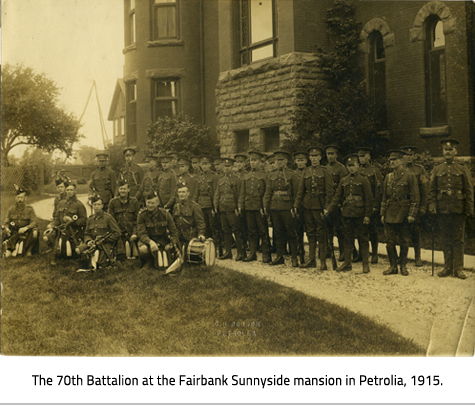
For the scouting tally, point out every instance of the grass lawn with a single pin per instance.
(125, 311)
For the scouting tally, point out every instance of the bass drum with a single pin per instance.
(201, 252)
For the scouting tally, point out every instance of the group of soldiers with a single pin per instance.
(154, 214)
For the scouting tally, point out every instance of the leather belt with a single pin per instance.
(450, 191)
(281, 193)
(354, 198)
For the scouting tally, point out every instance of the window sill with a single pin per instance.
(428, 132)
(165, 43)
(130, 47)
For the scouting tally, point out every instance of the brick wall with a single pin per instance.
(259, 96)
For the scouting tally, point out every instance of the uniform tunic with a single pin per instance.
(103, 183)
(125, 213)
(166, 184)
(20, 216)
(335, 222)
(451, 196)
(207, 184)
(133, 175)
(75, 209)
(376, 182)
(148, 185)
(156, 226)
(189, 220)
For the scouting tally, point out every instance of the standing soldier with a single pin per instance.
(103, 228)
(251, 193)
(195, 165)
(166, 184)
(207, 184)
(124, 209)
(174, 161)
(184, 178)
(240, 172)
(282, 187)
(226, 203)
(69, 222)
(131, 173)
(337, 171)
(22, 227)
(314, 195)
(356, 200)
(103, 181)
(149, 182)
(218, 166)
(156, 231)
(376, 181)
(398, 211)
(423, 183)
(300, 160)
(451, 199)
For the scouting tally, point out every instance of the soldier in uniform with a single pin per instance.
(69, 222)
(149, 182)
(188, 218)
(423, 184)
(22, 226)
(451, 199)
(103, 180)
(156, 230)
(166, 184)
(226, 203)
(282, 187)
(399, 209)
(354, 196)
(240, 172)
(207, 184)
(184, 178)
(337, 171)
(218, 166)
(173, 161)
(251, 193)
(376, 181)
(195, 165)
(300, 160)
(314, 195)
(98, 226)
(124, 209)
(131, 172)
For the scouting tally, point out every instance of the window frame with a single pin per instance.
(156, 99)
(246, 47)
(131, 113)
(377, 66)
(435, 107)
(132, 39)
(153, 13)
(267, 146)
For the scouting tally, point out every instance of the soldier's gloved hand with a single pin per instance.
(67, 219)
(236, 212)
(411, 219)
(78, 251)
(89, 243)
(265, 211)
(366, 220)
(153, 246)
(168, 246)
(262, 212)
(325, 212)
(382, 220)
(133, 238)
(22, 230)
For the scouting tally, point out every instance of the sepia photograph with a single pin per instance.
(237, 178)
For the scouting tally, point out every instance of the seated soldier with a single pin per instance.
(100, 236)
(21, 227)
(157, 234)
(68, 224)
(124, 209)
(188, 218)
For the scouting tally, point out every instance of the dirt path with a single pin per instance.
(431, 311)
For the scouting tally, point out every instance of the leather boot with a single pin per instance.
(302, 258)
(253, 250)
(417, 256)
(341, 250)
(311, 263)
(228, 242)
(266, 257)
(323, 261)
(357, 257)
(374, 252)
(365, 267)
(294, 253)
(279, 260)
(393, 270)
(403, 260)
(347, 265)
(364, 252)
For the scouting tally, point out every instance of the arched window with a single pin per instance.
(436, 82)
(377, 78)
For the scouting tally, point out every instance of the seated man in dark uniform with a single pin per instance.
(101, 234)
(21, 227)
(157, 234)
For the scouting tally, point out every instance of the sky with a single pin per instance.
(73, 42)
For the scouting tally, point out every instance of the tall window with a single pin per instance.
(242, 140)
(131, 113)
(271, 139)
(377, 79)
(164, 19)
(132, 22)
(258, 37)
(165, 98)
(436, 73)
